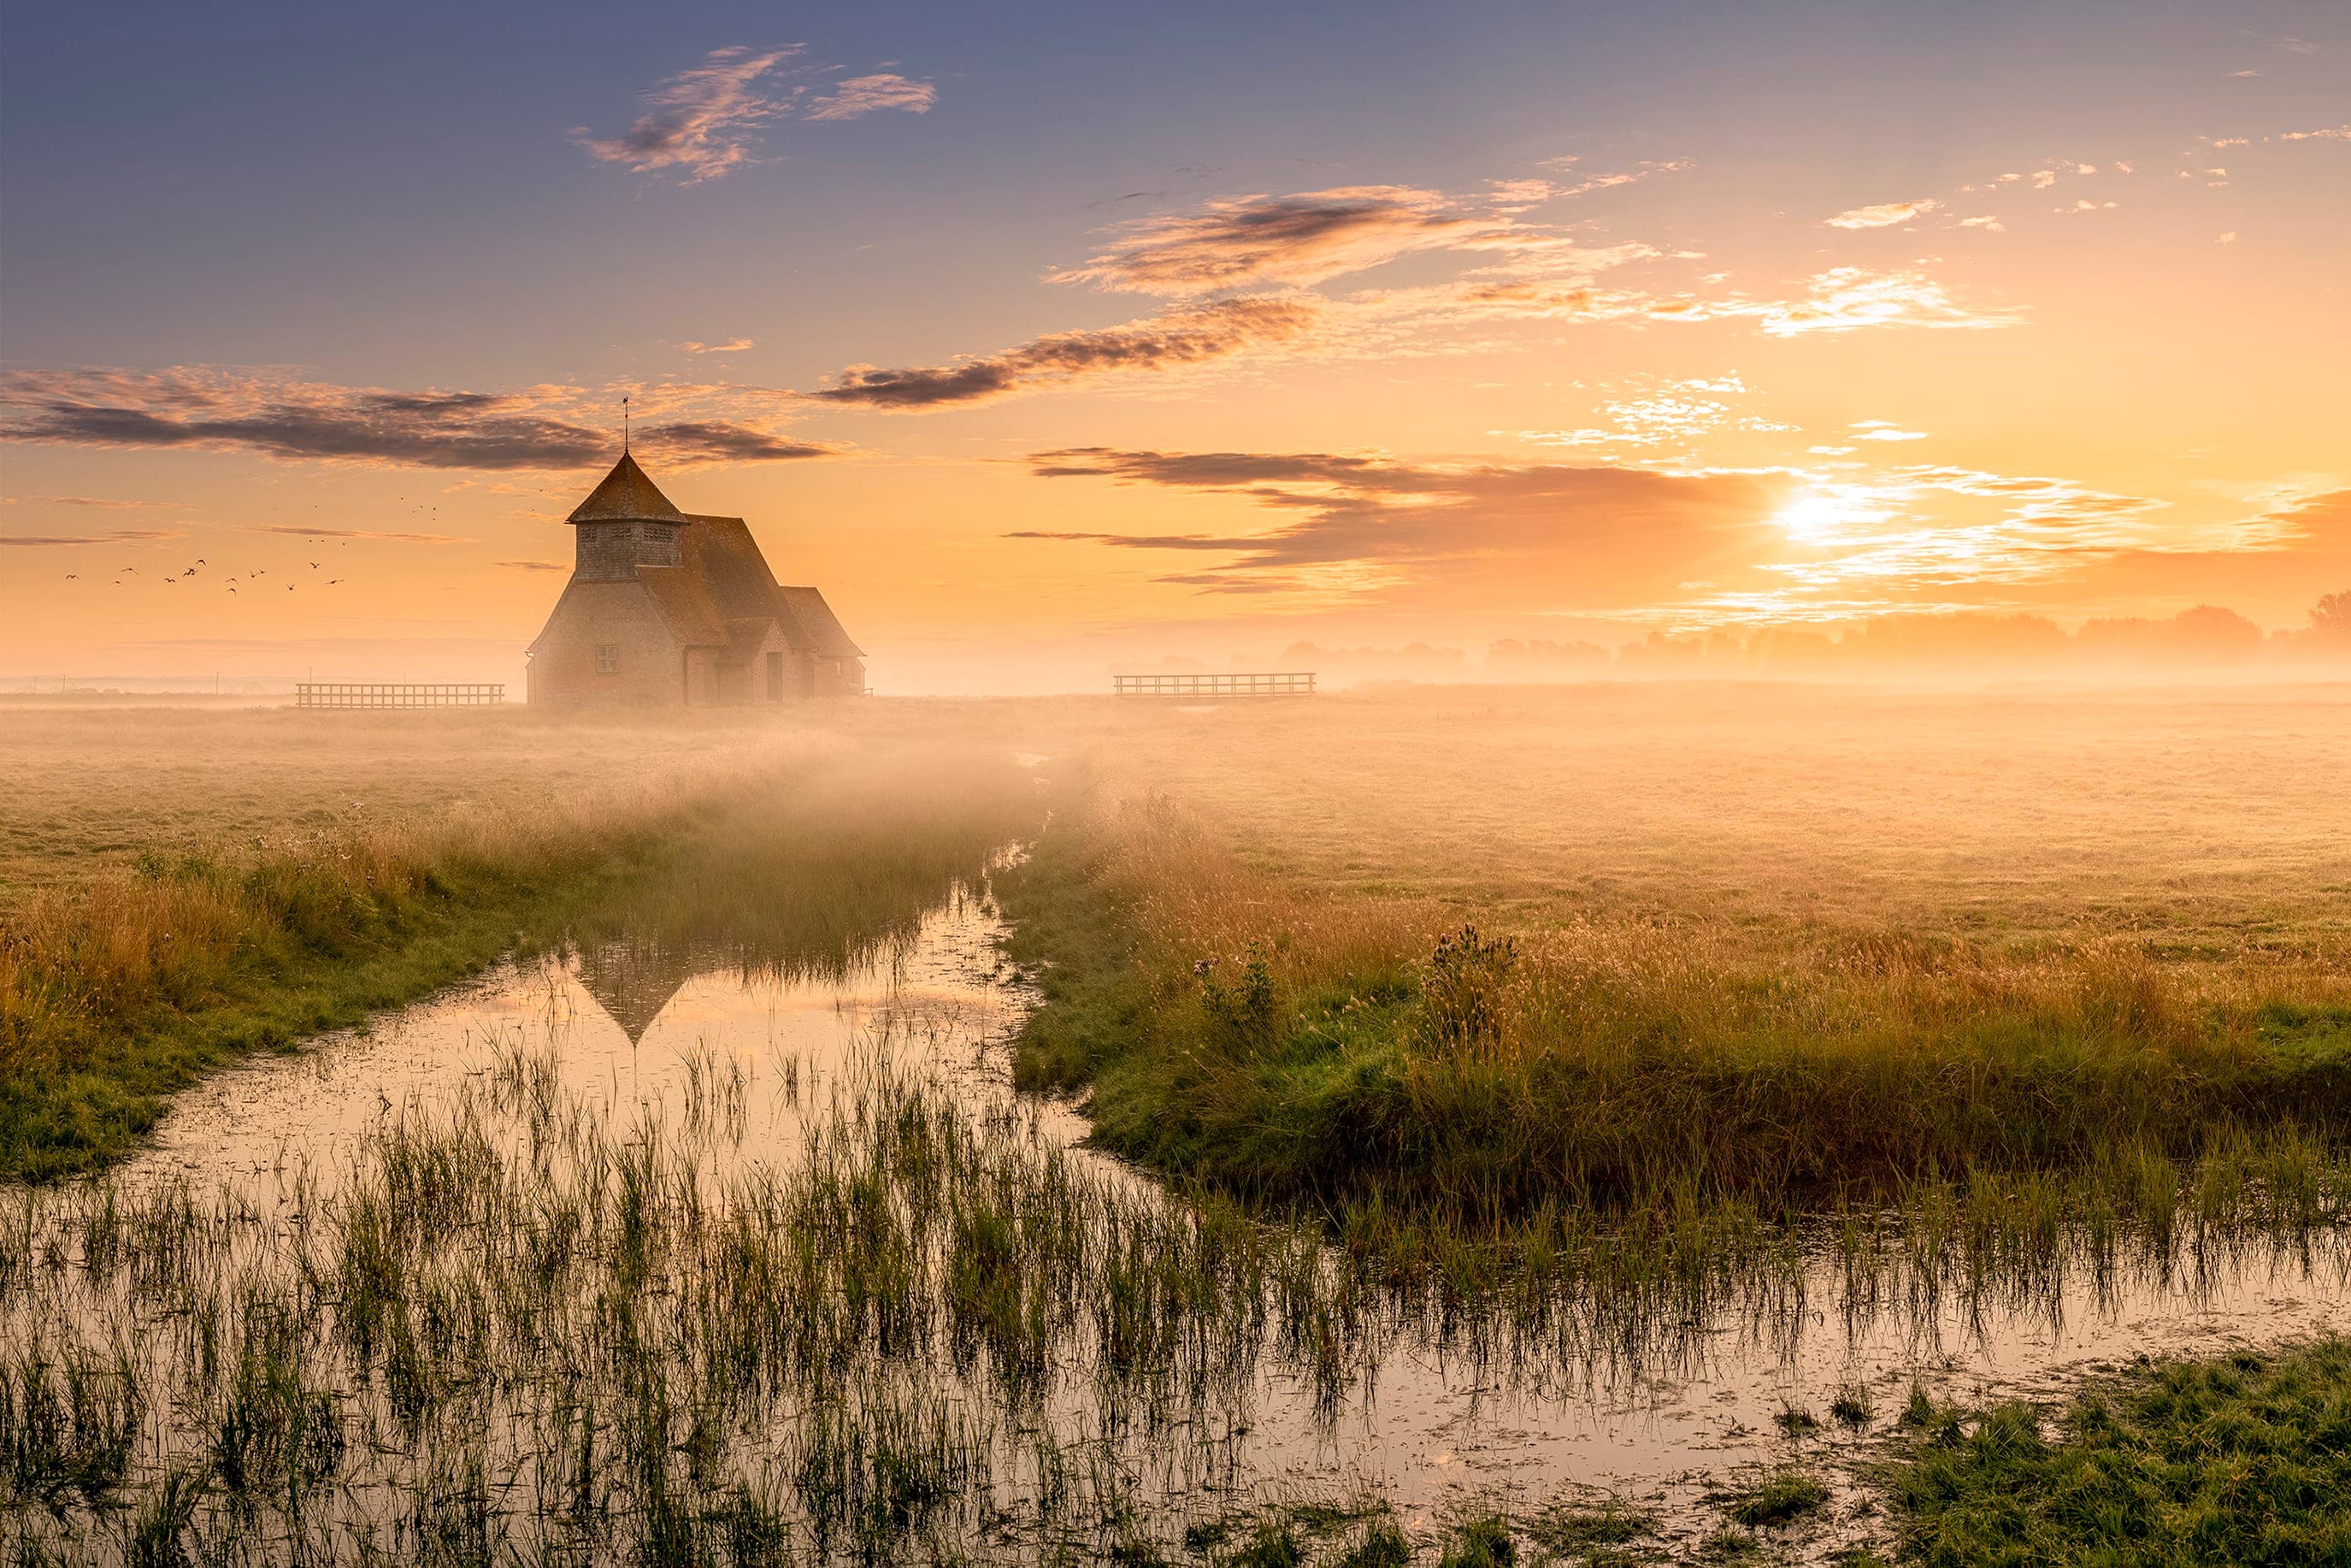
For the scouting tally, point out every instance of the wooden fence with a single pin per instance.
(327, 694)
(1287, 683)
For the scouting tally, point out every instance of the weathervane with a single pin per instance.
(624, 427)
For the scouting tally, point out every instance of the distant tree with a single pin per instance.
(2331, 618)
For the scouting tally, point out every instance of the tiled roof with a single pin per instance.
(685, 607)
(820, 631)
(626, 494)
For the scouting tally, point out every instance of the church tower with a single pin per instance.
(625, 523)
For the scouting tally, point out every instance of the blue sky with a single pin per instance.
(414, 201)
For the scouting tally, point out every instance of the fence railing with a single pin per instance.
(328, 694)
(1283, 684)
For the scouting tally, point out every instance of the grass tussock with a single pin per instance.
(1385, 1055)
(2241, 1458)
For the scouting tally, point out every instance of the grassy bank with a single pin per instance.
(2239, 1460)
(125, 980)
(1373, 1050)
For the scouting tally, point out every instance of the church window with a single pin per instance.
(608, 658)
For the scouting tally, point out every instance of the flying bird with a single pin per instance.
(72, 575)
(314, 566)
(332, 580)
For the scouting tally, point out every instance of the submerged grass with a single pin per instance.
(523, 1322)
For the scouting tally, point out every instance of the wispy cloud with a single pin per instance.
(1848, 298)
(299, 531)
(113, 536)
(217, 409)
(96, 503)
(867, 95)
(1304, 238)
(698, 122)
(732, 346)
(532, 565)
(1655, 413)
(1608, 182)
(1883, 214)
(1181, 338)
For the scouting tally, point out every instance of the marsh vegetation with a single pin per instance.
(1515, 1061)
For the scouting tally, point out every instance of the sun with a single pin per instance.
(1812, 517)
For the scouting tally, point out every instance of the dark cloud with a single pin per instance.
(718, 441)
(1301, 238)
(1179, 337)
(428, 430)
(1497, 535)
(239, 412)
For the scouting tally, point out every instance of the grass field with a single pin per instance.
(1577, 997)
(2241, 1458)
(1651, 950)
(184, 886)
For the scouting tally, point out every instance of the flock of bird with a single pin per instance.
(251, 579)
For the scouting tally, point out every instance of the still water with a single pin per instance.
(742, 1068)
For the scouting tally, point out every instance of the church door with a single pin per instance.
(775, 678)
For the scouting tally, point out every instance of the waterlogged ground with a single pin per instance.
(657, 1253)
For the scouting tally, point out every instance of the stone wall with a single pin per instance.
(620, 616)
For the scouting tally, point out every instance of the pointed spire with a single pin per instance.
(626, 496)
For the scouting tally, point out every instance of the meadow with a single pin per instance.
(1542, 1029)
(1662, 952)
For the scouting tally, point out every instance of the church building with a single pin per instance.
(671, 608)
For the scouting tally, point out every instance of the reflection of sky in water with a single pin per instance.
(1430, 1429)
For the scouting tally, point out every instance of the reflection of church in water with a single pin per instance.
(633, 981)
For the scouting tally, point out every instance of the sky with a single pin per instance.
(1049, 340)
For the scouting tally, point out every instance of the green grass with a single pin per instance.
(1777, 1500)
(2237, 1460)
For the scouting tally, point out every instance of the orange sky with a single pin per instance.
(1627, 338)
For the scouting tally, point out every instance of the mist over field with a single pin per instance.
(1254, 787)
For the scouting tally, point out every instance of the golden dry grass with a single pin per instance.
(1770, 943)
(2187, 814)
